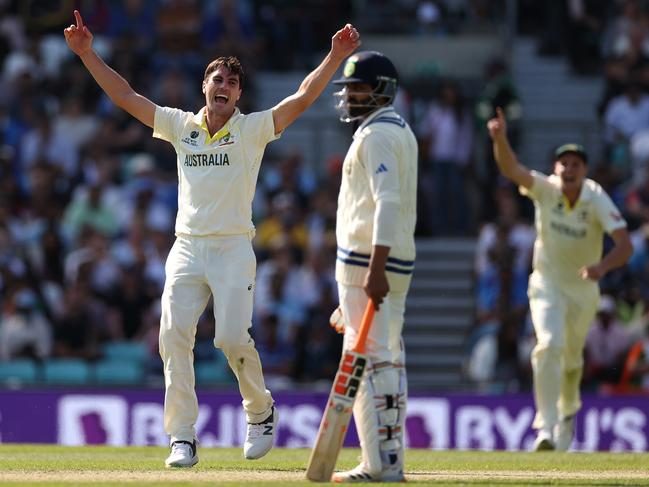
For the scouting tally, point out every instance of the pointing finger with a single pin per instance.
(77, 16)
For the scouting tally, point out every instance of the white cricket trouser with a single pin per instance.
(380, 407)
(562, 315)
(196, 267)
(384, 339)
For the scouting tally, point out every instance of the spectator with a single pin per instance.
(230, 28)
(498, 91)
(24, 331)
(317, 349)
(93, 265)
(625, 116)
(520, 235)
(131, 302)
(586, 24)
(447, 141)
(178, 26)
(276, 351)
(636, 203)
(42, 143)
(87, 209)
(321, 221)
(76, 125)
(283, 222)
(626, 49)
(134, 18)
(606, 345)
(78, 333)
(278, 281)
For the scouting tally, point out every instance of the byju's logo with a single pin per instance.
(85, 419)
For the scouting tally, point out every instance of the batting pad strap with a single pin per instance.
(386, 217)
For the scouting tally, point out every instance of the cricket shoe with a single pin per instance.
(260, 437)
(183, 454)
(544, 441)
(565, 432)
(360, 475)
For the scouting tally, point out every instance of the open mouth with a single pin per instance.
(221, 99)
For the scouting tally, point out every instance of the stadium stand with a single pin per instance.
(87, 198)
(117, 372)
(19, 372)
(66, 372)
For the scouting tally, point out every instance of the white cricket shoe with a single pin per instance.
(260, 437)
(565, 432)
(544, 441)
(183, 454)
(360, 474)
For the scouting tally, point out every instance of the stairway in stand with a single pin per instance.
(558, 106)
(439, 313)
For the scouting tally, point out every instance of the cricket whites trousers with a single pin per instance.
(562, 314)
(197, 267)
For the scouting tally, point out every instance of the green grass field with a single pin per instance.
(44, 465)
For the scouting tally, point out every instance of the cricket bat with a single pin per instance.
(339, 405)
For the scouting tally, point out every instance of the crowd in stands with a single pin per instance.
(88, 198)
(427, 17)
(607, 39)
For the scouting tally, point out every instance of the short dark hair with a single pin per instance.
(231, 63)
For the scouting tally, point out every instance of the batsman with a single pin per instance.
(376, 252)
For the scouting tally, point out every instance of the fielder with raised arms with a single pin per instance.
(375, 226)
(219, 153)
(572, 215)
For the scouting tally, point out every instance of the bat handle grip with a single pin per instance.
(366, 322)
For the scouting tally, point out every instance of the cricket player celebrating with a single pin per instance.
(572, 214)
(219, 153)
(375, 226)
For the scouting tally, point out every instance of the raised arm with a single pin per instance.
(504, 154)
(343, 43)
(79, 39)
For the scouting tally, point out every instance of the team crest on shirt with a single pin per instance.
(226, 139)
(582, 216)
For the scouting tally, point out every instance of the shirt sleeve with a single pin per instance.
(168, 123)
(607, 212)
(258, 128)
(379, 159)
(542, 189)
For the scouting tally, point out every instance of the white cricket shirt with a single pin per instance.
(216, 175)
(381, 164)
(568, 239)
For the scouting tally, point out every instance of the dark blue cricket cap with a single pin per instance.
(368, 67)
(572, 149)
